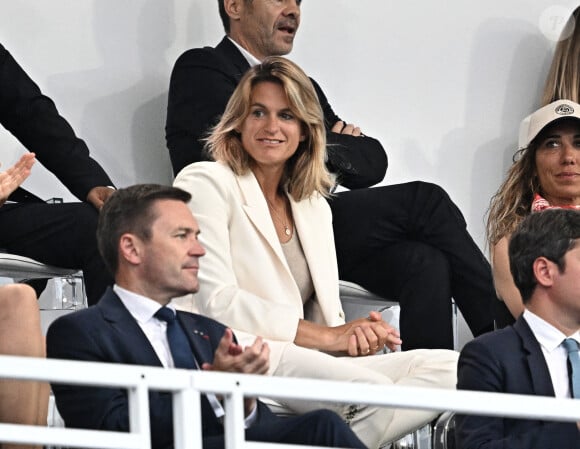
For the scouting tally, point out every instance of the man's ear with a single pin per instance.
(544, 270)
(233, 8)
(130, 248)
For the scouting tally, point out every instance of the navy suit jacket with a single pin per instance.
(202, 82)
(107, 332)
(509, 360)
(34, 120)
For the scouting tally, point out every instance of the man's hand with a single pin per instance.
(341, 127)
(98, 195)
(11, 179)
(231, 357)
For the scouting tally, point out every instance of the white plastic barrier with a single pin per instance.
(186, 387)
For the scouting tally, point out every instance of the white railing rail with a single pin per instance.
(186, 387)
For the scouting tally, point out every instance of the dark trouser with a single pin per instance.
(62, 235)
(317, 428)
(409, 242)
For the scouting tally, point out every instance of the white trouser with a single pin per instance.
(375, 426)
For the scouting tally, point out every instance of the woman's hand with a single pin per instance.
(11, 179)
(367, 336)
(360, 337)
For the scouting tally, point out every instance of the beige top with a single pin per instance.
(298, 266)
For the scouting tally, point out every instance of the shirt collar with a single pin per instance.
(252, 60)
(140, 307)
(547, 335)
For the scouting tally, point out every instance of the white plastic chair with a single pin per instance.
(357, 302)
(69, 289)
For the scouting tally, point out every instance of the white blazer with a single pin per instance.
(245, 281)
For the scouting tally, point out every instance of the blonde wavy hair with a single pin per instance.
(513, 200)
(563, 81)
(305, 172)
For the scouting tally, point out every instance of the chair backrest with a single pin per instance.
(20, 267)
(357, 302)
(67, 291)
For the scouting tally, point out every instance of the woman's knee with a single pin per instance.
(20, 331)
(18, 300)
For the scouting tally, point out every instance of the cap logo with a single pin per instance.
(564, 109)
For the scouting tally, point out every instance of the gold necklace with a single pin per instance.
(287, 230)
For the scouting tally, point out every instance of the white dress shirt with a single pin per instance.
(143, 310)
(556, 356)
(252, 60)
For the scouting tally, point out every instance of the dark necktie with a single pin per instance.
(178, 344)
(181, 351)
(571, 346)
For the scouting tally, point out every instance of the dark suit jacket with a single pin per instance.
(34, 120)
(509, 360)
(108, 333)
(202, 82)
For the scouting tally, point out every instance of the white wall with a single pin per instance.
(442, 84)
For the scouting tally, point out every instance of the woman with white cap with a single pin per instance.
(545, 174)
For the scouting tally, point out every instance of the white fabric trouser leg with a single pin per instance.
(375, 426)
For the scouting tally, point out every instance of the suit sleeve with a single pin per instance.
(34, 120)
(480, 370)
(220, 295)
(359, 162)
(198, 93)
(74, 339)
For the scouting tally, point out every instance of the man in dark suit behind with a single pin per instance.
(148, 238)
(406, 242)
(529, 357)
(56, 234)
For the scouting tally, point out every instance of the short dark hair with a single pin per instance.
(131, 210)
(550, 234)
(224, 15)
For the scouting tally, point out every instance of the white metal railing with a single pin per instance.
(186, 387)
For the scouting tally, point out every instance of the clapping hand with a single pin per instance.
(231, 357)
(11, 179)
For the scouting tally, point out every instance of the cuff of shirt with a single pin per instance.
(252, 417)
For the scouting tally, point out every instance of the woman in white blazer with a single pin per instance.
(270, 265)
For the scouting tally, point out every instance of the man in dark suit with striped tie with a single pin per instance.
(149, 240)
(538, 355)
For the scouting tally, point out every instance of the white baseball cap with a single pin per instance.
(534, 123)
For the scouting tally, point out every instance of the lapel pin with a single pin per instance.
(201, 334)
